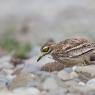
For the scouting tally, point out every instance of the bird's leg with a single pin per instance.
(85, 63)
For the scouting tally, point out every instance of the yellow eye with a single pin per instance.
(45, 49)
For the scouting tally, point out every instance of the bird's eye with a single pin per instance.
(45, 49)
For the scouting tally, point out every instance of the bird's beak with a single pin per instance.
(41, 56)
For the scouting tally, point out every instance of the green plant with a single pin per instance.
(10, 44)
(23, 50)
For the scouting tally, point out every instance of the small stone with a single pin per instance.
(26, 91)
(90, 69)
(30, 68)
(64, 75)
(90, 85)
(5, 92)
(16, 61)
(53, 66)
(4, 81)
(91, 82)
(82, 83)
(74, 68)
(68, 69)
(6, 65)
(67, 76)
(18, 69)
(59, 91)
(49, 84)
(5, 62)
(73, 75)
(22, 80)
(44, 93)
(32, 91)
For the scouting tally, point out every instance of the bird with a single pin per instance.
(70, 52)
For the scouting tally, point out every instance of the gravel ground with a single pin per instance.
(30, 79)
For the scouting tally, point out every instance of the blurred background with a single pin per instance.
(26, 24)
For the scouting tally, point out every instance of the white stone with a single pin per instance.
(90, 69)
(74, 68)
(67, 76)
(5, 92)
(49, 84)
(82, 83)
(91, 82)
(73, 75)
(26, 91)
(68, 69)
(5, 62)
(64, 75)
(30, 68)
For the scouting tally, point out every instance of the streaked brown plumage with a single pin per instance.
(77, 55)
(74, 51)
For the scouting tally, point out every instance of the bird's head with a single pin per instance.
(46, 49)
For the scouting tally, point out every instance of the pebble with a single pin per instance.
(91, 82)
(67, 76)
(81, 83)
(18, 69)
(63, 75)
(30, 68)
(28, 79)
(73, 75)
(49, 84)
(90, 69)
(5, 92)
(59, 91)
(53, 66)
(4, 81)
(22, 80)
(26, 91)
(5, 62)
(69, 69)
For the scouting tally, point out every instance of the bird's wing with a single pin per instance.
(79, 50)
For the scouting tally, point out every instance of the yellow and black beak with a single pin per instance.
(40, 57)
